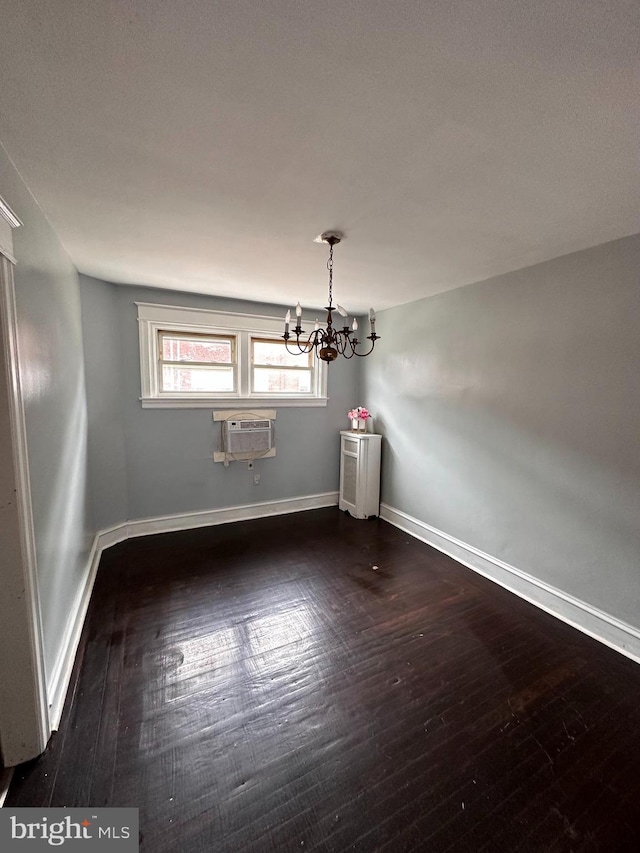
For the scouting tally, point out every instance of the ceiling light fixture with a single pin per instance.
(329, 343)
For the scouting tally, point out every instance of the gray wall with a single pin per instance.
(511, 413)
(51, 363)
(107, 463)
(169, 465)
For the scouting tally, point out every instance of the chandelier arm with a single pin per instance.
(311, 342)
(290, 351)
(368, 352)
(301, 347)
(316, 339)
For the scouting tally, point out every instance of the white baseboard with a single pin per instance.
(225, 515)
(61, 674)
(590, 620)
(5, 780)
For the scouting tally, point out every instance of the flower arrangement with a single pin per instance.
(359, 416)
(359, 413)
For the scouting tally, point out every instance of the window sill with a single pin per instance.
(227, 402)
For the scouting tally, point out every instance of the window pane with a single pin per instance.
(275, 352)
(186, 379)
(272, 380)
(196, 348)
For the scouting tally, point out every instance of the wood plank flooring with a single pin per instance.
(262, 686)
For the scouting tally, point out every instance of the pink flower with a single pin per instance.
(360, 413)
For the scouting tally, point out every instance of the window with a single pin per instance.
(196, 363)
(276, 371)
(197, 358)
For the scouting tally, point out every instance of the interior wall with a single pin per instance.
(107, 462)
(511, 414)
(169, 452)
(49, 334)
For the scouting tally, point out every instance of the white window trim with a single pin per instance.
(172, 318)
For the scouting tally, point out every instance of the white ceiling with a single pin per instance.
(203, 144)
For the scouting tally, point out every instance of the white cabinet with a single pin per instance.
(360, 473)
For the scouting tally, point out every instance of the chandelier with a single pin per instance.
(330, 342)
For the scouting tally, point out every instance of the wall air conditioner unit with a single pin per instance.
(244, 436)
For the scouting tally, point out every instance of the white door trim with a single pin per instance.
(24, 711)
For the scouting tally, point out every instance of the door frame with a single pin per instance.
(24, 710)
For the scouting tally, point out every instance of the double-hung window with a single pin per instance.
(276, 371)
(196, 363)
(199, 358)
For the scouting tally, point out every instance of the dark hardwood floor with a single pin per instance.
(262, 686)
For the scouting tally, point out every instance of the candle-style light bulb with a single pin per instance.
(287, 317)
(372, 315)
(298, 310)
(354, 325)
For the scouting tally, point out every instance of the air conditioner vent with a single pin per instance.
(253, 424)
(244, 436)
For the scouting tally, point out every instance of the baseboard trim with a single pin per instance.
(60, 679)
(61, 674)
(5, 780)
(590, 620)
(224, 515)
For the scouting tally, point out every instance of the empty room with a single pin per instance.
(319, 413)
